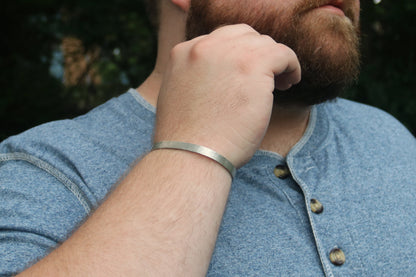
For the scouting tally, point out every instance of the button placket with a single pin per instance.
(316, 206)
(337, 256)
(281, 171)
(330, 255)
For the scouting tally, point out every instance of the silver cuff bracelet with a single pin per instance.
(198, 149)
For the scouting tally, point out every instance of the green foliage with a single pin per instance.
(388, 70)
(31, 95)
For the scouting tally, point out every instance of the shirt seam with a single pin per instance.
(327, 268)
(137, 96)
(277, 185)
(64, 180)
(307, 135)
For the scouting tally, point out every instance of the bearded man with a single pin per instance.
(324, 186)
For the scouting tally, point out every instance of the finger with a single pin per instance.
(284, 64)
(284, 81)
(276, 58)
(261, 52)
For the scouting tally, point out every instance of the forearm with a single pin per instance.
(161, 220)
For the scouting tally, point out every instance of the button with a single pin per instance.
(281, 171)
(316, 206)
(337, 257)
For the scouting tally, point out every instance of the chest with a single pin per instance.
(316, 223)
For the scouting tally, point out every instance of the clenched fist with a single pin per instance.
(218, 90)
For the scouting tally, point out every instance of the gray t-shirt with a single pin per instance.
(341, 204)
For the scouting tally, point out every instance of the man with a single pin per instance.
(321, 189)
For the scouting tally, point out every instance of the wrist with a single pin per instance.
(186, 163)
(200, 150)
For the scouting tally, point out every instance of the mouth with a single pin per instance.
(334, 6)
(342, 8)
(337, 4)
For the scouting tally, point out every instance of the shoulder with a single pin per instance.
(92, 150)
(362, 120)
(53, 175)
(39, 208)
(351, 110)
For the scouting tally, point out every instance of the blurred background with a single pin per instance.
(60, 58)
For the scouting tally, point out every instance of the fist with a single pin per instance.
(217, 90)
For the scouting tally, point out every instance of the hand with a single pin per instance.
(217, 90)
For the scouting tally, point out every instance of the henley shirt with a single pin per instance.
(342, 203)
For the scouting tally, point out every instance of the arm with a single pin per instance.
(163, 218)
(171, 202)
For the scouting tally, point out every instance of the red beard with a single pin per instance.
(327, 44)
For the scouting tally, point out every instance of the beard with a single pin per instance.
(327, 45)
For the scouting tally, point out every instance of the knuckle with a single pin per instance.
(245, 27)
(200, 49)
(268, 39)
(285, 49)
(176, 51)
(291, 52)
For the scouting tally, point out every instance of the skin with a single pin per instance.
(166, 224)
(288, 121)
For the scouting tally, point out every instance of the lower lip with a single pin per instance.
(332, 9)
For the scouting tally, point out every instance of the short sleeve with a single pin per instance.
(37, 212)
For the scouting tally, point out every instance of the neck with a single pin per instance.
(287, 124)
(286, 128)
(172, 18)
(149, 89)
